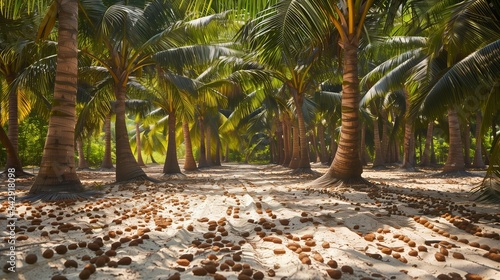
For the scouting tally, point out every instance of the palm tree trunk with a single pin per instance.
(82, 162)
(13, 160)
(363, 153)
(455, 160)
(279, 142)
(218, 149)
(107, 162)
(171, 165)
(305, 162)
(286, 140)
(57, 170)
(322, 144)
(127, 167)
(346, 166)
(202, 162)
(478, 153)
(379, 160)
(314, 144)
(426, 158)
(226, 154)
(138, 144)
(466, 140)
(295, 160)
(208, 139)
(409, 140)
(189, 162)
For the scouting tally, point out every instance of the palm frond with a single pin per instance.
(489, 188)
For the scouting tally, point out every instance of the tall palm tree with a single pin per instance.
(57, 175)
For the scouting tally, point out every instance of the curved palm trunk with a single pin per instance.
(455, 160)
(138, 142)
(126, 166)
(346, 165)
(171, 165)
(202, 162)
(426, 158)
(107, 162)
(189, 162)
(82, 162)
(478, 152)
(57, 170)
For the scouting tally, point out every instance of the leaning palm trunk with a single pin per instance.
(189, 162)
(346, 166)
(171, 165)
(57, 176)
(455, 160)
(126, 166)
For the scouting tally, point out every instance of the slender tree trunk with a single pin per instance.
(57, 169)
(107, 162)
(315, 149)
(226, 154)
(171, 165)
(208, 140)
(305, 162)
(455, 161)
(13, 160)
(202, 162)
(189, 162)
(466, 140)
(322, 144)
(82, 162)
(346, 165)
(363, 154)
(386, 141)
(286, 141)
(478, 153)
(295, 161)
(379, 160)
(218, 149)
(139, 144)
(409, 139)
(127, 167)
(279, 142)
(426, 158)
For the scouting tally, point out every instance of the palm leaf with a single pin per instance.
(489, 188)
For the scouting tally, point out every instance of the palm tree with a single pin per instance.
(57, 177)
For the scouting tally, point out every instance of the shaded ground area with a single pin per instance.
(260, 222)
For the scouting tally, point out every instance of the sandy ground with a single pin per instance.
(260, 222)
